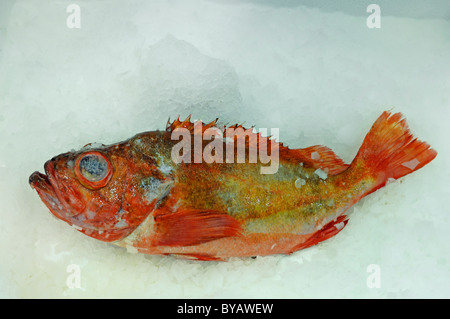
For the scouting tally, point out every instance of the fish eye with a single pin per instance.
(93, 169)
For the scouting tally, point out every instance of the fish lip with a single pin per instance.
(50, 188)
(47, 187)
(41, 183)
(47, 180)
(38, 180)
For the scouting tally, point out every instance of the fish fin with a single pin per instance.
(193, 227)
(389, 150)
(199, 257)
(327, 231)
(187, 124)
(318, 156)
(314, 156)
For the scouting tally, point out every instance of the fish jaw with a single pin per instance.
(62, 204)
(41, 183)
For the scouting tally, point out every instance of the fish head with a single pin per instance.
(103, 192)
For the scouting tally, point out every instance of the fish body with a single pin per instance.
(135, 195)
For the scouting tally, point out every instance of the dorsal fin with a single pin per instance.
(188, 124)
(317, 156)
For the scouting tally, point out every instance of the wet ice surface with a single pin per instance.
(320, 77)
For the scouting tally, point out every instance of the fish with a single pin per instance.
(151, 194)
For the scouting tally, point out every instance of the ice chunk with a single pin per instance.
(299, 182)
(76, 227)
(390, 180)
(339, 225)
(178, 79)
(412, 164)
(315, 156)
(122, 223)
(321, 173)
(131, 249)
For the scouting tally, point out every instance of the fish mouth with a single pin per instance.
(47, 189)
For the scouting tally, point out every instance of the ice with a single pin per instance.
(316, 73)
(315, 156)
(339, 225)
(131, 249)
(411, 164)
(299, 182)
(321, 173)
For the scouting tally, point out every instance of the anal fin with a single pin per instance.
(329, 230)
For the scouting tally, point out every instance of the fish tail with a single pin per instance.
(390, 151)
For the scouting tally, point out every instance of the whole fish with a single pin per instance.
(138, 194)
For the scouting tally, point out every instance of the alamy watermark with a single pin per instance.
(374, 279)
(227, 145)
(374, 19)
(73, 280)
(73, 20)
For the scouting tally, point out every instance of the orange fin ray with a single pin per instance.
(187, 124)
(329, 230)
(389, 150)
(317, 156)
(194, 227)
(200, 257)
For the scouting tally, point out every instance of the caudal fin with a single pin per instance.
(389, 150)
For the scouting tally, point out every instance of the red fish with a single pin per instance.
(134, 195)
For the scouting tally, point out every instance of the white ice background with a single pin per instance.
(320, 76)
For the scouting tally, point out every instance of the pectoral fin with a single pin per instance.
(193, 227)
